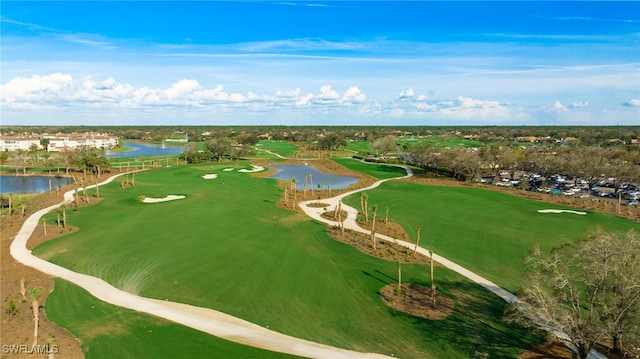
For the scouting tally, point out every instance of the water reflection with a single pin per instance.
(286, 172)
(143, 149)
(31, 184)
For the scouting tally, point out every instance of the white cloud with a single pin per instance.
(408, 93)
(558, 106)
(579, 104)
(327, 94)
(634, 102)
(353, 95)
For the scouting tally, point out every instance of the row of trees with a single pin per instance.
(588, 163)
(589, 290)
(217, 148)
(588, 135)
(88, 160)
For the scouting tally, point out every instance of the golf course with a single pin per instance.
(226, 245)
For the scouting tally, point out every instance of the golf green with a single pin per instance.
(227, 246)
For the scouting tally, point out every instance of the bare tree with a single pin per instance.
(589, 290)
(614, 260)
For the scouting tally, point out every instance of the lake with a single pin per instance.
(286, 172)
(30, 184)
(143, 150)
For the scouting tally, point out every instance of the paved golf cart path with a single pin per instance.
(350, 223)
(211, 321)
(204, 319)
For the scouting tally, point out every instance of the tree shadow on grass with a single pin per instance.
(476, 325)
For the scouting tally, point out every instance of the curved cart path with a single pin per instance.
(350, 223)
(214, 322)
(204, 319)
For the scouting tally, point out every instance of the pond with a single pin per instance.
(31, 184)
(143, 149)
(286, 172)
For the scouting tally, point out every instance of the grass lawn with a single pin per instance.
(437, 141)
(379, 171)
(228, 247)
(485, 231)
(108, 331)
(282, 148)
(359, 146)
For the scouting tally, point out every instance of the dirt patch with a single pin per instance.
(548, 350)
(417, 300)
(384, 249)
(18, 329)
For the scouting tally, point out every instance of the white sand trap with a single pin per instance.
(561, 211)
(210, 176)
(228, 169)
(170, 197)
(254, 168)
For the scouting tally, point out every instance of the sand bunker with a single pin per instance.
(170, 197)
(561, 211)
(210, 176)
(228, 169)
(254, 168)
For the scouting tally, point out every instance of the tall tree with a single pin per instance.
(589, 290)
(219, 146)
(34, 295)
(385, 145)
(614, 260)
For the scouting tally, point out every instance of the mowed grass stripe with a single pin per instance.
(487, 232)
(379, 171)
(108, 331)
(228, 247)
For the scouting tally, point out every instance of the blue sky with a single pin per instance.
(320, 63)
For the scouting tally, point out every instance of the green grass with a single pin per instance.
(359, 146)
(485, 231)
(437, 141)
(108, 331)
(282, 148)
(228, 247)
(120, 149)
(379, 171)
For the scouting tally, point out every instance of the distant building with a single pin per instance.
(58, 142)
(527, 139)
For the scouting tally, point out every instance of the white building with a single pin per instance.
(58, 142)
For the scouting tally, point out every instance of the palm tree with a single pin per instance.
(23, 289)
(417, 242)
(433, 283)
(51, 343)
(373, 227)
(10, 203)
(399, 288)
(34, 294)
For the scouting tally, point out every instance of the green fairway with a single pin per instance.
(485, 231)
(379, 171)
(359, 146)
(437, 141)
(228, 247)
(108, 331)
(282, 148)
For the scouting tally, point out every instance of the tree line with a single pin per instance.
(590, 163)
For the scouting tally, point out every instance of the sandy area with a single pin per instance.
(210, 176)
(561, 211)
(228, 169)
(254, 168)
(170, 197)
